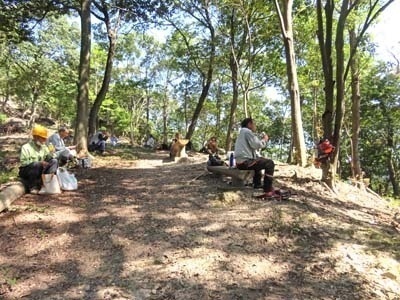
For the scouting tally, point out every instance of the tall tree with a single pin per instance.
(286, 25)
(112, 14)
(81, 126)
(336, 66)
(201, 55)
(380, 134)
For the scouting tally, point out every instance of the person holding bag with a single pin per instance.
(36, 159)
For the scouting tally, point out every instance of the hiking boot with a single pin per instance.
(270, 194)
(267, 195)
(34, 191)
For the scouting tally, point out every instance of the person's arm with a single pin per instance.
(24, 157)
(57, 143)
(254, 142)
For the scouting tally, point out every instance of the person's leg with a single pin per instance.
(269, 167)
(51, 168)
(31, 175)
(64, 157)
(101, 146)
(253, 164)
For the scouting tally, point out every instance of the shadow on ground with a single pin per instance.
(164, 233)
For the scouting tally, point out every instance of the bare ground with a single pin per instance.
(153, 229)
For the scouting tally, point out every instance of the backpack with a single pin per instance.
(84, 163)
(215, 160)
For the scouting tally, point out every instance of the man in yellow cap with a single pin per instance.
(36, 159)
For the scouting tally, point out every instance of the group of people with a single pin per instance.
(246, 155)
(43, 155)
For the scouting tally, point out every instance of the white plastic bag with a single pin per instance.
(50, 184)
(68, 181)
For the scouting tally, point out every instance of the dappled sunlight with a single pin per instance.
(358, 259)
(42, 245)
(172, 234)
(215, 226)
(148, 164)
(45, 215)
(187, 216)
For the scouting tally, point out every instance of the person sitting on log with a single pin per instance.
(211, 147)
(246, 147)
(36, 159)
(98, 142)
(63, 153)
(150, 143)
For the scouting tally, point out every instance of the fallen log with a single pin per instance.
(239, 177)
(11, 193)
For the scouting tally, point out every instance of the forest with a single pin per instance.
(305, 70)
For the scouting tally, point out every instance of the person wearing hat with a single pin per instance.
(36, 159)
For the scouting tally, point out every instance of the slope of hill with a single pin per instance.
(148, 228)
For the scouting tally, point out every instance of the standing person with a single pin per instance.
(246, 147)
(36, 159)
(63, 153)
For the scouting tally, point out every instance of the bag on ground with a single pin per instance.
(67, 180)
(50, 184)
(214, 161)
(85, 162)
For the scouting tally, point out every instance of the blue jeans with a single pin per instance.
(100, 146)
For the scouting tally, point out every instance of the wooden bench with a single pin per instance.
(239, 177)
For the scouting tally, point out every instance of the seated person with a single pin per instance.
(98, 142)
(150, 143)
(36, 159)
(63, 153)
(114, 140)
(176, 147)
(246, 147)
(212, 147)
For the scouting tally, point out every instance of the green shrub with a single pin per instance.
(3, 118)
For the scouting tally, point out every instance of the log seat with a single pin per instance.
(239, 178)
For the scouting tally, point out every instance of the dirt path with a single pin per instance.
(149, 229)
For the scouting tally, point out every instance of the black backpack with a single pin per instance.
(214, 160)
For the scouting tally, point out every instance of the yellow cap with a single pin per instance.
(40, 131)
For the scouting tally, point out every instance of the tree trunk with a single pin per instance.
(112, 40)
(324, 35)
(293, 85)
(235, 96)
(11, 193)
(234, 61)
(81, 128)
(207, 79)
(165, 111)
(355, 113)
(390, 149)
